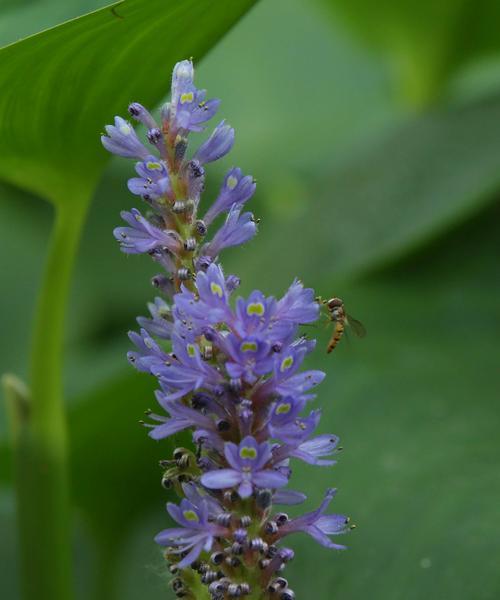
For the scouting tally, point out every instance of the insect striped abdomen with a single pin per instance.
(337, 334)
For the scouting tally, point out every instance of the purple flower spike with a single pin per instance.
(247, 460)
(122, 140)
(229, 370)
(218, 144)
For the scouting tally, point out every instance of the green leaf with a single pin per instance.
(20, 18)
(426, 41)
(83, 72)
(394, 195)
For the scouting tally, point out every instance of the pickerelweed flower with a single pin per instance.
(228, 369)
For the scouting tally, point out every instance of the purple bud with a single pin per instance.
(196, 179)
(218, 144)
(142, 115)
(154, 135)
(232, 283)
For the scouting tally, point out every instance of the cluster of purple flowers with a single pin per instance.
(227, 370)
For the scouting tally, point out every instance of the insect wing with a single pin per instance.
(357, 327)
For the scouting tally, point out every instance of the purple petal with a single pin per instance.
(332, 524)
(175, 512)
(167, 536)
(232, 456)
(322, 538)
(289, 497)
(192, 555)
(221, 478)
(269, 479)
(245, 489)
(169, 428)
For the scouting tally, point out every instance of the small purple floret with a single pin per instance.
(247, 462)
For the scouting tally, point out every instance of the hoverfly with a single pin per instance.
(340, 318)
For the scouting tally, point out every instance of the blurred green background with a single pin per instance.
(373, 130)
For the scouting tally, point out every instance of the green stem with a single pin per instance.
(41, 452)
(195, 588)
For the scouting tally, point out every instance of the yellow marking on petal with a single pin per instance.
(247, 452)
(248, 347)
(138, 217)
(190, 515)
(187, 97)
(283, 409)
(216, 289)
(153, 166)
(232, 182)
(191, 350)
(286, 363)
(255, 308)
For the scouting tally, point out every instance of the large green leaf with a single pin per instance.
(394, 195)
(110, 416)
(426, 41)
(20, 18)
(416, 406)
(83, 72)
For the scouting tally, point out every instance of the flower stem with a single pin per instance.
(194, 586)
(40, 443)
